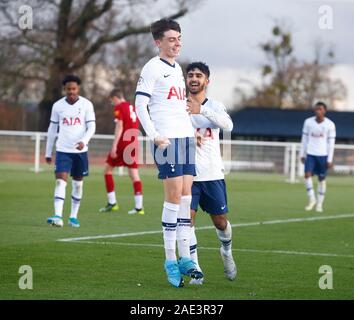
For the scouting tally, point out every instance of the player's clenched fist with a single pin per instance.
(162, 142)
(193, 106)
(80, 145)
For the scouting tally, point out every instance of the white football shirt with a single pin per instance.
(318, 138)
(164, 84)
(213, 117)
(72, 120)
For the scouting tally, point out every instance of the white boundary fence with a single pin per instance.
(238, 155)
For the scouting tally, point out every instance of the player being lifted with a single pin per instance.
(124, 152)
(74, 116)
(317, 149)
(161, 87)
(209, 190)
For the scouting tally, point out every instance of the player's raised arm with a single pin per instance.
(217, 116)
(51, 135)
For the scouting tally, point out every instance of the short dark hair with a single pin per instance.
(203, 67)
(158, 28)
(117, 92)
(71, 78)
(319, 104)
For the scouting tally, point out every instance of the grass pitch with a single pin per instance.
(278, 259)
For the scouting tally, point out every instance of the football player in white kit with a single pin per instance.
(209, 189)
(317, 149)
(74, 116)
(161, 89)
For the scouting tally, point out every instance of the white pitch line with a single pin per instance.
(237, 225)
(154, 245)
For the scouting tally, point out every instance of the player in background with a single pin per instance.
(124, 152)
(317, 149)
(75, 117)
(161, 88)
(209, 190)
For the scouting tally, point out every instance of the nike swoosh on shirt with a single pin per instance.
(166, 75)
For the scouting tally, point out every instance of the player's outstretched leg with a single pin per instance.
(310, 193)
(111, 195)
(76, 195)
(225, 237)
(186, 265)
(59, 197)
(169, 226)
(321, 191)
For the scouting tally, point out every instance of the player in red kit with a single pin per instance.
(124, 152)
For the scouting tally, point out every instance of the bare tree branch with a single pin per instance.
(63, 19)
(119, 36)
(19, 73)
(89, 13)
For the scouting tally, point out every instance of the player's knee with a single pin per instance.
(108, 171)
(174, 198)
(220, 222)
(61, 176)
(134, 176)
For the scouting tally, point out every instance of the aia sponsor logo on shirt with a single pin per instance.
(178, 93)
(317, 134)
(207, 133)
(71, 121)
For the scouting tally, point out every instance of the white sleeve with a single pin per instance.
(90, 131)
(52, 131)
(220, 117)
(146, 81)
(304, 140)
(90, 113)
(51, 135)
(90, 120)
(331, 142)
(141, 103)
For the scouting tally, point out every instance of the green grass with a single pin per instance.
(112, 268)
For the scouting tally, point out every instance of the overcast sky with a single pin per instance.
(226, 33)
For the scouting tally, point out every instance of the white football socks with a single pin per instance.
(76, 195)
(138, 201)
(169, 226)
(111, 197)
(193, 246)
(225, 237)
(321, 191)
(309, 189)
(59, 197)
(184, 227)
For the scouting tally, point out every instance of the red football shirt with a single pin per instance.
(126, 112)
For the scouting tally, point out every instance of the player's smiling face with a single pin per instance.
(320, 112)
(196, 81)
(170, 44)
(72, 91)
